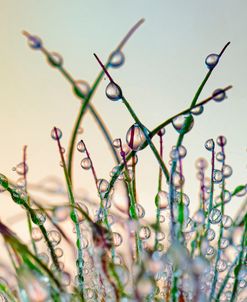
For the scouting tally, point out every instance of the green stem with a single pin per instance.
(227, 277)
(240, 262)
(215, 276)
(74, 217)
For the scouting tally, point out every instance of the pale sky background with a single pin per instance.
(164, 66)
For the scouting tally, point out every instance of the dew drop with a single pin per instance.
(140, 210)
(197, 110)
(224, 243)
(212, 60)
(201, 163)
(162, 200)
(210, 234)
(117, 143)
(221, 141)
(219, 95)
(81, 88)
(21, 168)
(221, 265)
(215, 216)
(60, 214)
(183, 123)
(220, 156)
(113, 92)
(86, 163)
(44, 258)
(160, 236)
(80, 130)
(199, 217)
(55, 59)
(82, 208)
(210, 251)
(58, 252)
(34, 42)
(209, 144)
(144, 232)
(217, 176)
(227, 221)
(102, 185)
(39, 217)
(135, 137)
(227, 171)
(177, 179)
(117, 59)
(117, 239)
(65, 278)
(36, 234)
(59, 134)
(54, 237)
(81, 146)
(162, 131)
(89, 293)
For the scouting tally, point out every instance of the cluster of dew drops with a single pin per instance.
(154, 277)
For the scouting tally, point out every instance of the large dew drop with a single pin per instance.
(81, 88)
(209, 144)
(117, 59)
(56, 134)
(135, 137)
(219, 95)
(215, 216)
(55, 59)
(212, 60)
(113, 92)
(183, 123)
(34, 42)
(86, 163)
(81, 146)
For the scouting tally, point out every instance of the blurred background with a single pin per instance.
(164, 66)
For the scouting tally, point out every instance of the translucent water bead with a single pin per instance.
(81, 146)
(36, 234)
(135, 137)
(55, 59)
(21, 168)
(117, 239)
(215, 216)
(183, 123)
(34, 42)
(86, 163)
(212, 60)
(102, 185)
(54, 237)
(219, 95)
(221, 141)
(209, 144)
(81, 88)
(59, 134)
(217, 176)
(197, 110)
(113, 92)
(144, 232)
(116, 59)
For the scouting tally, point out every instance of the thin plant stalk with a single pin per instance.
(74, 217)
(29, 222)
(215, 277)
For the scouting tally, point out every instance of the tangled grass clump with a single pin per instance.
(119, 255)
